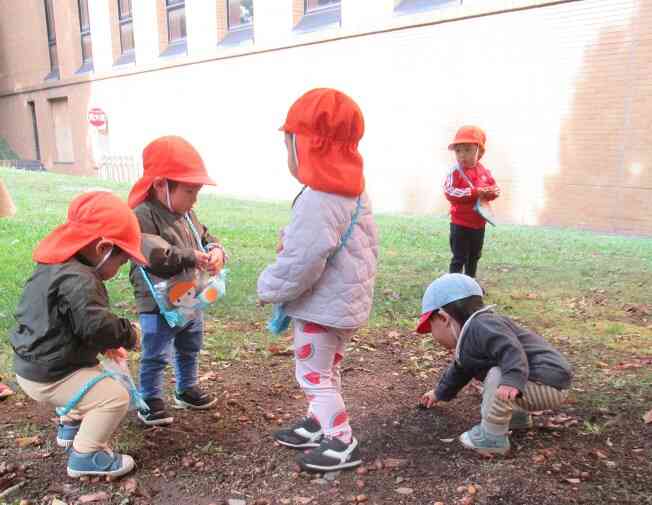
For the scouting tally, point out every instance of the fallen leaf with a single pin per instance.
(573, 481)
(361, 498)
(599, 454)
(395, 463)
(302, 500)
(447, 440)
(209, 376)
(277, 350)
(539, 459)
(404, 490)
(648, 417)
(90, 498)
(130, 486)
(56, 501)
(471, 489)
(28, 441)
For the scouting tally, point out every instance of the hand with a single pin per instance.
(507, 393)
(202, 260)
(118, 354)
(279, 245)
(138, 332)
(216, 260)
(428, 399)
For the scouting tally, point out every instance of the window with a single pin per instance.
(239, 21)
(126, 26)
(175, 22)
(85, 34)
(62, 130)
(52, 41)
(414, 6)
(315, 5)
(319, 14)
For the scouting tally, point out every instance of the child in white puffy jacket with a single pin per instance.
(325, 270)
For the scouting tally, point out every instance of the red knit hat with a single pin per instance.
(93, 215)
(172, 158)
(328, 125)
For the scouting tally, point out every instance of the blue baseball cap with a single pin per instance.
(448, 288)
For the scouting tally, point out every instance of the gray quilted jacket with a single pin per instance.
(337, 293)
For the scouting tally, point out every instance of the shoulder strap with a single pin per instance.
(194, 232)
(347, 233)
(464, 176)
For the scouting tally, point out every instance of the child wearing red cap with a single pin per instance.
(64, 322)
(325, 269)
(467, 184)
(174, 241)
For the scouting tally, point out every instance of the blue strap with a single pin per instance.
(280, 321)
(72, 403)
(194, 232)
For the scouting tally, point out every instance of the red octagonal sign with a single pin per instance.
(97, 117)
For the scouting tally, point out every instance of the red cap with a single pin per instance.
(424, 322)
(469, 135)
(93, 215)
(328, 125)
(172, 158)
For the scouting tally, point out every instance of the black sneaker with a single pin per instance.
(193, 398)
(157, 415)
(304, 434)
(331, 455)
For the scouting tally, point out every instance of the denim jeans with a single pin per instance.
(158, 342)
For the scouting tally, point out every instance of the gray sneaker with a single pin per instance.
(478, 439)
(331, 455)
(304, 434)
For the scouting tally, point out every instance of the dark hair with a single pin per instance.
(462, 309)
(172, 184)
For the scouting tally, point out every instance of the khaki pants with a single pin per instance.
(100, 410)
(497, 413)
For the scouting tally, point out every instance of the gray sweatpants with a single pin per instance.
(497, 413)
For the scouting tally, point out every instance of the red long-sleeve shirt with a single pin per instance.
(462, 196)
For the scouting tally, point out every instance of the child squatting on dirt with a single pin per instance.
(174, 242)
(64, 322)
(325, 269)
(521, 371)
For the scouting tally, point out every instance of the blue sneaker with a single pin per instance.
(99, 463)
(67, 432)
(478, 439)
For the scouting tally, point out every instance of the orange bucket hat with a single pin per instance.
(469, 135)
(172, 158)
(328, 126)
(98, 214)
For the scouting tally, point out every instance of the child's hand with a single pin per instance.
(428, 399)
(279, 245)
(202, 260)
(119, 354)
(216, 260)
(137, 332)
(506, 393)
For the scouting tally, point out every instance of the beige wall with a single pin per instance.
(562, 91)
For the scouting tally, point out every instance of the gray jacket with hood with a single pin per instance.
(488, 340)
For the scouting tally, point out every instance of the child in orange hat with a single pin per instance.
(175, 243)
(64, 322)
(468, 184)
(324, 273)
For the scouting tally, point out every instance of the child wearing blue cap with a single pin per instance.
(521, 371)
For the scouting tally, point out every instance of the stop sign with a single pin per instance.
(97, 118)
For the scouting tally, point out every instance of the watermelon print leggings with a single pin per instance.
(318, 351)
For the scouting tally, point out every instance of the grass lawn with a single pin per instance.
(574, 284)
(587, 293)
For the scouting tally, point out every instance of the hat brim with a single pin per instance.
(135, 254)
(424, 325)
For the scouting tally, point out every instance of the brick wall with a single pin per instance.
(562, 90)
